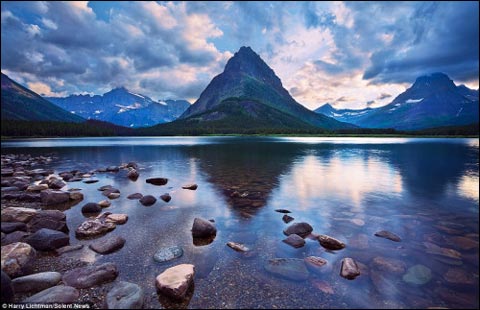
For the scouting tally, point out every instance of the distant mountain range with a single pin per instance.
(122, 107)
(432, 101)
(248, 95)
(20, 103)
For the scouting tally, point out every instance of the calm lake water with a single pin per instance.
(424, 190)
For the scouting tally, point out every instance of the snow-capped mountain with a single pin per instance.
(432, 101)
(122, 107)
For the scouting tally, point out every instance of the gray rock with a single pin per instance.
(133, 174)
(175, 281)
(108, 245)
(125, 295)
(89, 276)
(51, 219)
(56, 184)
(294, 240)
(6, 289)
(203, 229)
(135, 196)
(168, 253)
(157, 181)
(388, 235)
(302, 229)
(36, 282)
(17, 259)
(18, 214)
(148, 200)
(93, 228)
(289, 268)
(166, 197)
(53, 197)
(91, 207)
(287, 218)
(315, 264)
(418, 275)
(349, 269)
(47, 239)
(330, 242)
(56, 294)
(16, 236)
(9, 227)
(104, 203)
(76, 195)
(190, 186)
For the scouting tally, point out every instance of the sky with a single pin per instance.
(348, 54)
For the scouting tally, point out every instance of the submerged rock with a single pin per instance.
(418, 275)
(302, 229)
(238, 246)
(203, 229)
(90, 180)
(388, 235)
(168, 253)
(125, 295)
(390, 265)
(89, 276)
(323, 286)
(157, 181)
(56, 294)
(330, 242)
(283, 211)
(135, 196)
(289, 268)
(457, 275)
(175, 281)
(349, 269)
(294, 240)
(166, 197)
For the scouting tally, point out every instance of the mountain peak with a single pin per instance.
(119, 89)
(434, 81)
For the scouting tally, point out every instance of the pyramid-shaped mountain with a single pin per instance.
(20, 103)
(248, 94)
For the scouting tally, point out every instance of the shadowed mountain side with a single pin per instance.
(20, 103)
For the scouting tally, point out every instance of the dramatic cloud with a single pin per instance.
(346, 53)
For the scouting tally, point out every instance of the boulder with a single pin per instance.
(287, 218)
(238, 246)
(148, 200)
(330, 242)
(17, 259)
(93, 228)
(36, 282)
(175, 281)
(6, 288)
(56, 294)
(302, 229)
(53, 197)
(166, 197)
(167, 254)
(113, 195)
(388, 235)
(133, 174)
(89, 276)
(37, 188)
(105, 187)
(47, 239)
(91, 207)
(349, 269)
(16, 236)
(18, 214)
(105, 203)
(203, 229)
(56, 184)
(52, 219)
(294, 240)
(135, 196)
(76, 195)
(9, 227)
(107, 192)
(288, 268)
(125, 295)
(116, 218)
(157, 181)
(108, 245)
(190, 186)
(132, 164)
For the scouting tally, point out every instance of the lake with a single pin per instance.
(424, 190)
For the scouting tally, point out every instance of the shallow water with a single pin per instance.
(424, 190)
